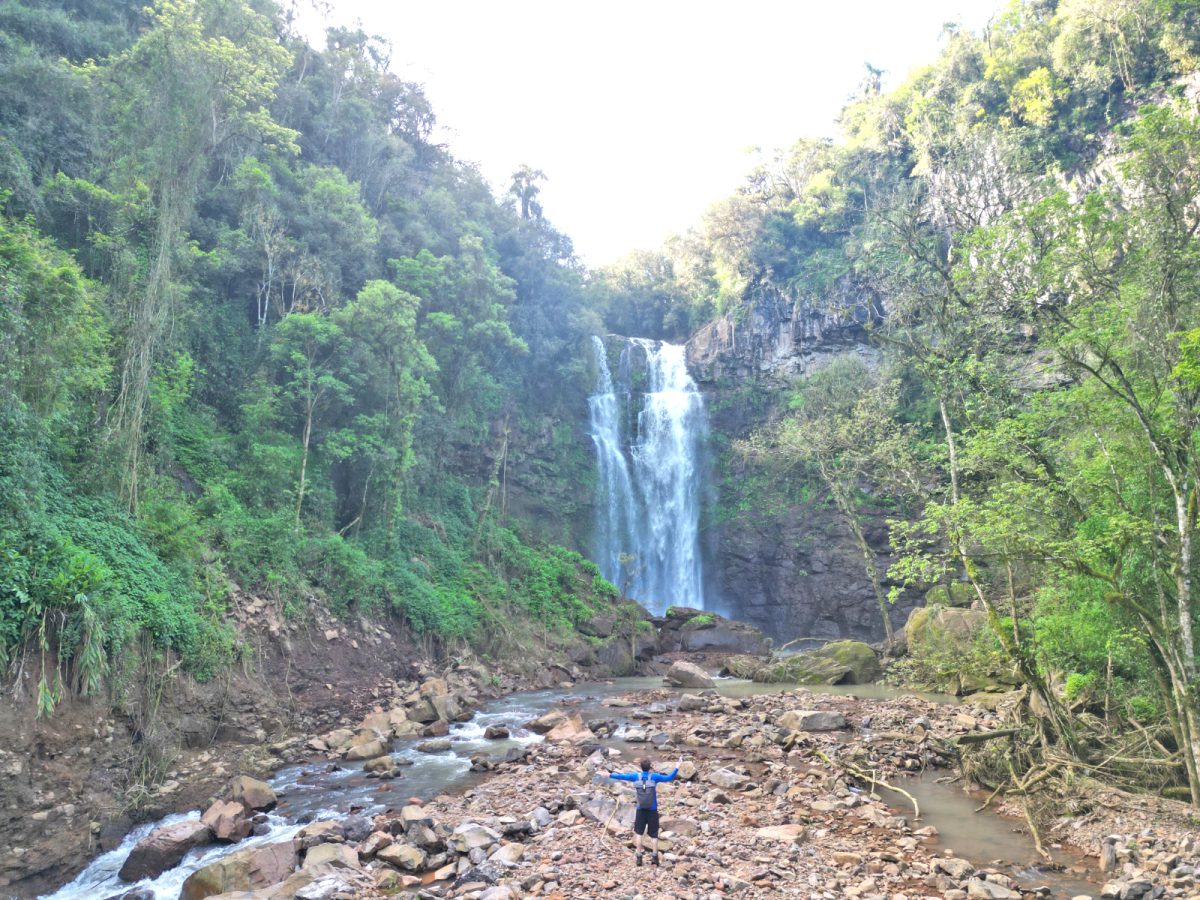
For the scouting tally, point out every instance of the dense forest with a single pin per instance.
(260, 331)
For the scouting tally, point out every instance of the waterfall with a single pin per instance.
(648, 430)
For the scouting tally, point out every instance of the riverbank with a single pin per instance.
(78, 782)
(774, 799)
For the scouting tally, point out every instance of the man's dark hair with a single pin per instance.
(645, 764)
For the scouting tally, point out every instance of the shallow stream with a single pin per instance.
(323, 790)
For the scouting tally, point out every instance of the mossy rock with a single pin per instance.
(957, 593)
(742, 665)
(839, 662)
(932, 629)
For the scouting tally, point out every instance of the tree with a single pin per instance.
(380, 326)
(525, 191)
(308, 348)
(179, 95)
(842, 425)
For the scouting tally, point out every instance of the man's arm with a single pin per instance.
(661, 778)
(616, 776)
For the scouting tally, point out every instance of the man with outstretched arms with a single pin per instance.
(645, 784)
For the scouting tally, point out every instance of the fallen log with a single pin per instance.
(980, 737)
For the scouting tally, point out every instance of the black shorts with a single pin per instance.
(646, 820)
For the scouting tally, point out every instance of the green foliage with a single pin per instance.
(256, 308)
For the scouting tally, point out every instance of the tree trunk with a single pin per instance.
(308, 418)
(842, 498)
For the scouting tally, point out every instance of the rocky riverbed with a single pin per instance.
(780, 794)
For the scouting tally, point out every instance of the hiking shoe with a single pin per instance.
(639, 859)
(654, 860)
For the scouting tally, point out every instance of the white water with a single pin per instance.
(317, 791)
(648, 508)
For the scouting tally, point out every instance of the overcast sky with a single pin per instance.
(642, 113)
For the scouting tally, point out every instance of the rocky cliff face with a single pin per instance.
(779, 554)
(779, 340)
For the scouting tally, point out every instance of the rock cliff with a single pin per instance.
(779, 555)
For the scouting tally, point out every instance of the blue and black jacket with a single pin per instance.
(652, 777)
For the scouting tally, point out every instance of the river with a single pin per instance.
(323, 789)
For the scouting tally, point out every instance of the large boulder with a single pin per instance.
(699, 631)
(742, 665)
(339, 856)
(939, 640)
(932, 629)
(688, 675)
(546, 722)
(839, 662)
(227, 820)
(253, 794)
(246, 870)
(403, 856)
(728, 779)
(812, 720)
(571, 731)
(469, 835)
(163, 848)
(372, 749)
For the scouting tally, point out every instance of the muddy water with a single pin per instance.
(327, 790)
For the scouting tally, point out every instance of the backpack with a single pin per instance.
(645, 790)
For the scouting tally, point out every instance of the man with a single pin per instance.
(645, 784)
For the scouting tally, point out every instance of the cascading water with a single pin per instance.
(648, 445)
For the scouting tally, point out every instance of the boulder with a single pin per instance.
(496, 732)
(375, 842)
(323, 832)
(372, 749)
(720, 635)
(616, 654)
(434, 687)
(253, 794)
(979, 889)
(422, 711)
(725, 778)
(742, 665)
(437, 745)
(227, 820)
(509, 854)
(412, 815)
(688, 675)
(954, 866)
(403, 856)
(839, 662)
(449, 709)
(163, 848)
(338, 739)
(547, 722)
(812, 720)
(933, 628)
(469, 835)
(339, 856)
(787, 834)
(571, 731)
(934, 635)
(245, 870)
(380, 721)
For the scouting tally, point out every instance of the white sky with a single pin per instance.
(642, 113)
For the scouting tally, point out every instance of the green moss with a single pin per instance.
(839, 662)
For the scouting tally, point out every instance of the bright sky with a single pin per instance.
(642, 113)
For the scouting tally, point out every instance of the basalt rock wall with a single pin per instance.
(779, 554)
